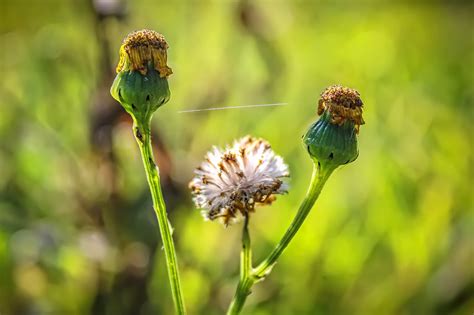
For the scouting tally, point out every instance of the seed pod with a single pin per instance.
(141, 84)
(332, 140)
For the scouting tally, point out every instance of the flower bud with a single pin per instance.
(332, 140)
(141, 84)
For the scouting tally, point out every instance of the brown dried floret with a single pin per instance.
(142, 47)
(343, 104)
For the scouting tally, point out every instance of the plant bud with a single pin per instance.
(141, 84)
(332, 140)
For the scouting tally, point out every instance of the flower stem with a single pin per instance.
(246, 278)
(318, 180)
(143, 137)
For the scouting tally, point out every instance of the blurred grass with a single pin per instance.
(392, 232)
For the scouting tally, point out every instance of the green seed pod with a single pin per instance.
(332, 140)
(141, 84)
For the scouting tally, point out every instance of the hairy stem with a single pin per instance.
(248, 279)
(143, 137)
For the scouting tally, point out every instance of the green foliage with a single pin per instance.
(391, 233)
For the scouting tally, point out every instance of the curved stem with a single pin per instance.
(247, 280)
(143, 137)
(318, 180)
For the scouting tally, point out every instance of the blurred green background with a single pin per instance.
(392, 234)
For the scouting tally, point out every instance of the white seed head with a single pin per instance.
(231, 182)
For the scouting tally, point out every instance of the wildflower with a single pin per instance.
(141, 84)
(231, 182)
(332, 140)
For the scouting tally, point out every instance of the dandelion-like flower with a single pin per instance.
(231, 182)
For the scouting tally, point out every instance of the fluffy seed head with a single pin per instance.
(141, 48)
(343, 103)
(231, 182)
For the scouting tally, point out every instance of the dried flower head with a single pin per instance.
(332, 139)
(343, 104)
(141, 84)
(141, 48)
(231, 182)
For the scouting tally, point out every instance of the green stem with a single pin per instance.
(246, 253)
(318, 180)
(143, 137)
(247, 280)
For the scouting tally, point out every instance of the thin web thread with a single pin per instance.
(230, 107)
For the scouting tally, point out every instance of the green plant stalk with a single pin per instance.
(246, 279)
(249, 278)
(143, 136)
